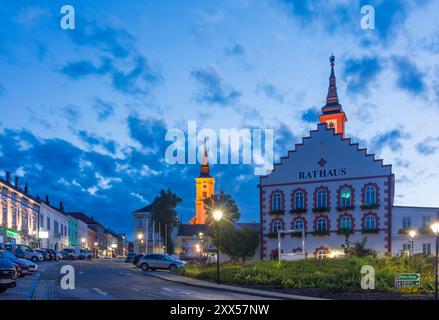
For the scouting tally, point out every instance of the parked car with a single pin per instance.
(52, 254)
(130, 256)
(72, 253)
(59, 255)
(22, 266)
(23, 251)
(136, 258)
(85, 254)
(44, 253)
(159, 261)
(8, 274)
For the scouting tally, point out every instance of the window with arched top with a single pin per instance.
(321, 254)
(322, 198)
(276, 201)
(345, 197)
(299, 225)
(322, 224)
(346, 223)
(370, 222)
(277, 226)
(299, 200)
(370, 195)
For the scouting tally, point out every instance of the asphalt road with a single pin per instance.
(109, 280)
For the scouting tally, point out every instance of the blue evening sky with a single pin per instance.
(84, 112)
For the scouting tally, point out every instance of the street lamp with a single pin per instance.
(217, 215)
(412, 234)
(435, 229)
(83, 242)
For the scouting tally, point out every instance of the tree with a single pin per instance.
(239, 243)
(358, 249)
(163, 212)
(226, 204)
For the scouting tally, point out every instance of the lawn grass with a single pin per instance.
(340, 275)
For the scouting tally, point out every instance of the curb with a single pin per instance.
(259, 293)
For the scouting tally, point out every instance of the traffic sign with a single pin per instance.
(407, 280)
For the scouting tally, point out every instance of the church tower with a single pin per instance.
(332, 112)
(205, 188)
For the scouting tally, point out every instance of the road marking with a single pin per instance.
(100, 291)
(167, 289)
(34, 284)
(137, 290)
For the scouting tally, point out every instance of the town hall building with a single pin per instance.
(336, 192)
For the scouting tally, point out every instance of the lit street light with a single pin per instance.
(435, 229)
(412, 234)
(217, 215)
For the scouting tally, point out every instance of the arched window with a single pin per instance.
(371, 195)
(346, 223)
(322, 224)
(277, 225)
(370, 222)
(298, 225)
(299, 200)
(321, 254)
(345, 197)
(322, 199)
(276, 201)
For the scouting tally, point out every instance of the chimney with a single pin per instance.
(61, 206)
(17, 182)
(26, 188)
(47, 199)
(8, 177)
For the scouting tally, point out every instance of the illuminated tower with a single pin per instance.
(205, 185)
(333, 114)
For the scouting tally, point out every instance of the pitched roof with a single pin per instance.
(83, 217)
(188, 230)
(145, 209)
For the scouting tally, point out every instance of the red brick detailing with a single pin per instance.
(352, 194)
(326, 249)
(282, 199)
(305, 198)
(363, 192)
(276, 219)
(305, 223)
(370, 213)
(328, 196)
(346, 215)
(328, 221)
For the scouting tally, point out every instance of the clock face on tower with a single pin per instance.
(332, 124)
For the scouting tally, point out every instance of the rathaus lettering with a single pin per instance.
(322, 173)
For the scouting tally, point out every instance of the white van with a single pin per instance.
(71, 253)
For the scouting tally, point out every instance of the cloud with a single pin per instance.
(270, 91)
(235, 49)
(361, 73)
(83, 68)
(391, 139)
(428, 146)
(29, 15)
(70, 113)
(213, 90)
(104, 109)
(206, 22)
(93, 140)
(409, 77)
(311, 115)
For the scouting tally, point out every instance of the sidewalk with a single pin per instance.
(172, 277)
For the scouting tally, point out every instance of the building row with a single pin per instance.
(33, 221)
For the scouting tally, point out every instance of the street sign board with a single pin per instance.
(407, 280)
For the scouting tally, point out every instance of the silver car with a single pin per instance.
(159, 261)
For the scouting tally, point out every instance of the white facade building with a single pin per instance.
(53, 229)
(146, 236)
